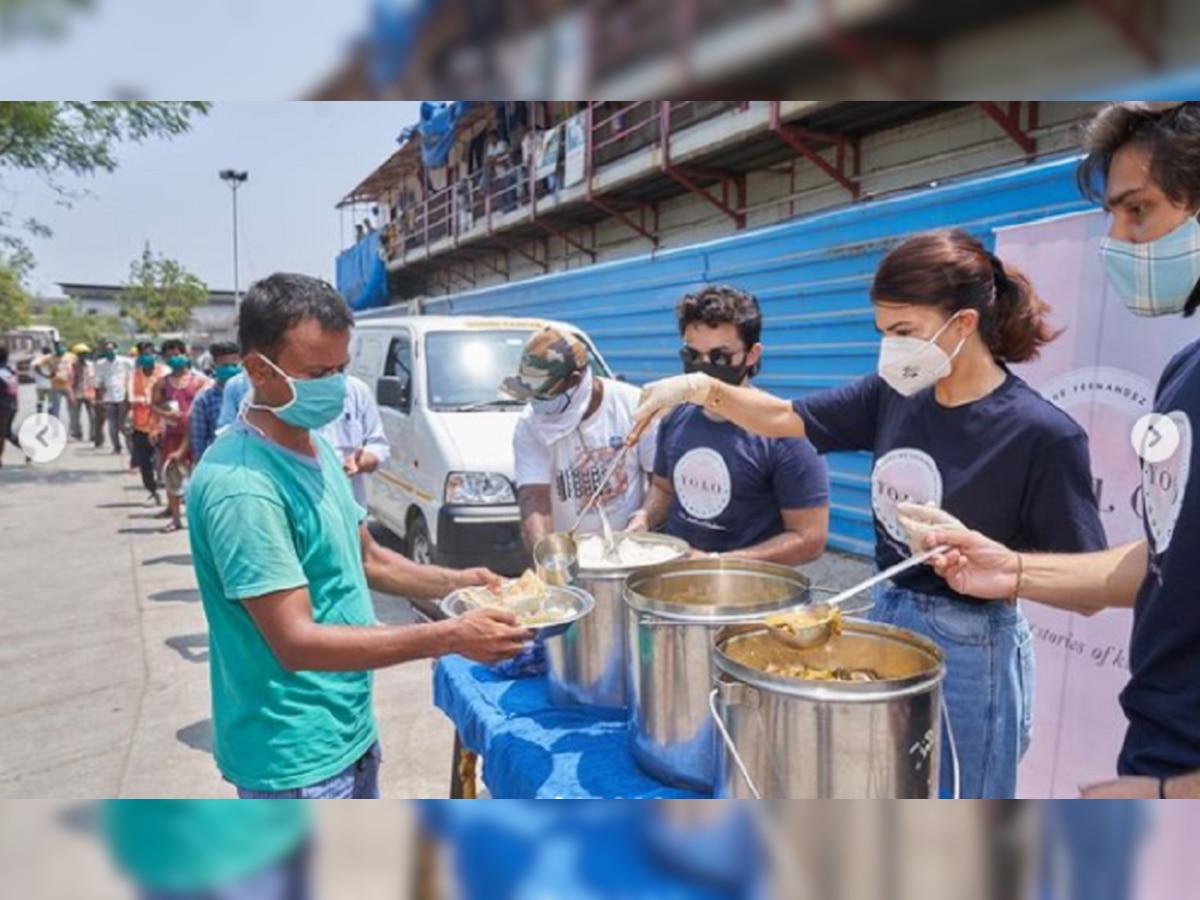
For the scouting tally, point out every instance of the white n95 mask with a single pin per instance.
(910, 365)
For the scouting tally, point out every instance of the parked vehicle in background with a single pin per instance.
(25, 345)
(448, 490)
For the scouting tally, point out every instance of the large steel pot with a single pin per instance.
(792, 738)
(589, 664)
(674, 611)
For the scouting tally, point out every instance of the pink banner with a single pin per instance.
(1103, 371)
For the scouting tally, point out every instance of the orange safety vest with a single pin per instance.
(141, 396)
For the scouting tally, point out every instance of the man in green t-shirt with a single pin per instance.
(285, 566)
(212, 849)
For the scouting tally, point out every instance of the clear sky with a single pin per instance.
(215, 49)
(302, 159)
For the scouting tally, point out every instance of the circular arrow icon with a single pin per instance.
(1155, 438)
(43, 437)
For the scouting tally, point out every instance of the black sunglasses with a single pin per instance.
(718, 357)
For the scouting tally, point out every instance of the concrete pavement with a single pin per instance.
(55, 849)
(103, 648)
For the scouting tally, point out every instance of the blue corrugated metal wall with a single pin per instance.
(812, 277)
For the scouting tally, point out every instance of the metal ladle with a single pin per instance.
(812, 625)
(557, 555)
(610, 542)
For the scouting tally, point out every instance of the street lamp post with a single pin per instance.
(235, 180)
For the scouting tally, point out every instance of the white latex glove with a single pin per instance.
(660, 397)
(918, 520)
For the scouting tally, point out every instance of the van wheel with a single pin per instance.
(420, 547)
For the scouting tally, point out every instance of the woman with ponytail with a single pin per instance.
(950, 427)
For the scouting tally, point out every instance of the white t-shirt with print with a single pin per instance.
(574, 465)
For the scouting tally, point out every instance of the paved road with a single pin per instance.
(103, 649)
(52, 849)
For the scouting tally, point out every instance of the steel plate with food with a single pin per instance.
(547, 609)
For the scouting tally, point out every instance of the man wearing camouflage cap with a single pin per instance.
(569, 435)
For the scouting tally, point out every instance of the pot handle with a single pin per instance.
(728, 739)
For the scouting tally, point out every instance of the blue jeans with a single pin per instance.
(989, 684)
(56, 401)
(358, 781)
(1090, 850)
(285, 880)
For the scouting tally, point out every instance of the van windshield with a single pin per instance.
(466, 368)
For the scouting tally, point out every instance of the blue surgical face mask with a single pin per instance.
(1155, 278)
(227, 371)
(315, 401)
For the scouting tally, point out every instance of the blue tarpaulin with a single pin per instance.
(362, 274)
(436, 128)
(395, 26)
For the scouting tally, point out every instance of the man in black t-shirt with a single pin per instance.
(715, 485)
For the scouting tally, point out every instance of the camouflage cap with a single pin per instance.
(548, 361)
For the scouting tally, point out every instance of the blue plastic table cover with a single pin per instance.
(533, 750)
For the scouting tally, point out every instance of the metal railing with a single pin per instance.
(494, 192)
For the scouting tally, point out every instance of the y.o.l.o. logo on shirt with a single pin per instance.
(904, 474)
(703, 483)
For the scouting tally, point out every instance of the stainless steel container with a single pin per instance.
(803, 739)
(675, 611)
(589, 664)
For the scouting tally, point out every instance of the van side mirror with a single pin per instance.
(394, 393)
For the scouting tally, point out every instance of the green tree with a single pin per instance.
(53, 139)
(14, 302)
(161, 294)
(76, 326)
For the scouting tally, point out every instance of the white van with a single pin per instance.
(449, 489)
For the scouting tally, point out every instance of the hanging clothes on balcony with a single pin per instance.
(438, 129)
(476, 150)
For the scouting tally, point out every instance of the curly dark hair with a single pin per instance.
(1169, 132)
(718, 304)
